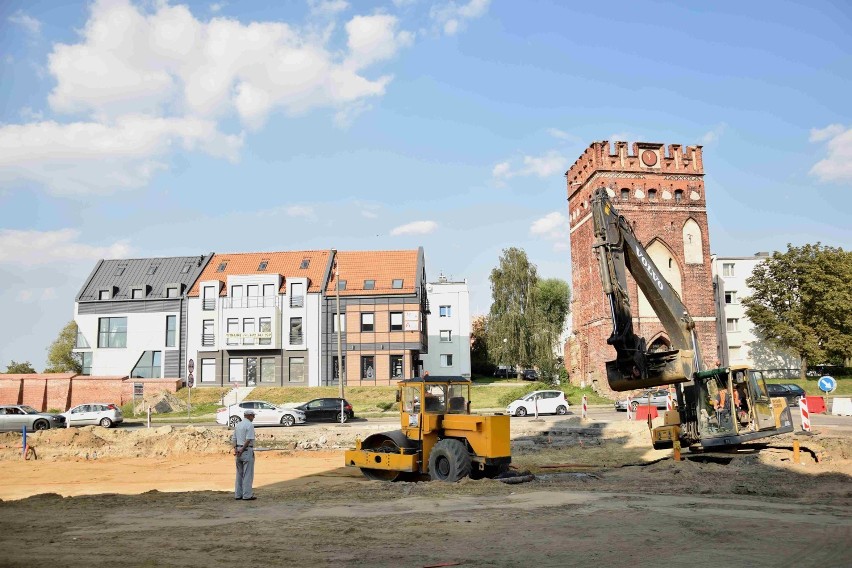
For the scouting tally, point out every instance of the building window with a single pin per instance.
(446, 360)
(396, 321)
(263, 264)
(342, 324)
(728, 269)
(367, 320)
(297, 298)
(112, 332)
(251, 371)
(731, 297)
(268, 295)
(148, 366)
(86, 362)
(733, 324)
(733, 354)
(446, 336)
(267, 369)
(171, 292)
(208, 370)
(252, 294)
(445, 311)
(678, 195)
(209, 301)
(343, 284)
(625, 194)
(295, 331)
(652, 195)
(171, 329)
(369, 284)
(233, 335)
(265, 337)
(396, 366)
(248, 331)
(297, 370)
(136, 294)
(368, 368)
(335, 369)
(187, 267)
(103, 295)
(306, 262)
(207, 337)
(222, 266)
(397, 284)
(152, 269)
(235, 370)
(119, 271)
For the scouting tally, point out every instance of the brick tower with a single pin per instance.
(662, 195)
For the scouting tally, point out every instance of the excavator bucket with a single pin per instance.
(660, 368)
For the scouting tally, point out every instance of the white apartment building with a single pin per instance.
(737, 340)
(449, 328)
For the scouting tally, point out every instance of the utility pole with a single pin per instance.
(340, 372)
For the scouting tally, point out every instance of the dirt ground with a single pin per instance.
(163, 497)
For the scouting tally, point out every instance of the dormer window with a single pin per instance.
(103, 295)
(397, 284)
(137, 294)
(263, 264)
(171, 291)
(222, 266)
(369, 284)
(152, 269)
(305, 263)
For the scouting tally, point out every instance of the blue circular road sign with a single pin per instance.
(827, 384)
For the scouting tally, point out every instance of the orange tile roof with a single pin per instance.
(284, 263)
(382, 266)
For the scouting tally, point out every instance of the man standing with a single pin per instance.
(243, 439)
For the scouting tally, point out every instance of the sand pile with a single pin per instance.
(163, 401)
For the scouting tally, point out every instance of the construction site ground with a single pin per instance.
(164, 497)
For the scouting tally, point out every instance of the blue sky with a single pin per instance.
(137, 129)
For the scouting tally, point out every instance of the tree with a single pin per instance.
(512, 315)
(479, 360)
(553, 304)
(802, 301)
(60, 358)
(24, 368)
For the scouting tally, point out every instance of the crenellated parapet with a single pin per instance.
(643, 158)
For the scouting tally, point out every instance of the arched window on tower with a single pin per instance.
(693, 251)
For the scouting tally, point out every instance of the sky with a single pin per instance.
(133, 129)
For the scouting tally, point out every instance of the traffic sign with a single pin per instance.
(827, 384)
(191, 365)
(190, 380)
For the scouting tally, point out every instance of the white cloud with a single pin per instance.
(556, 133)
(837, 165)
(714, 135)
(91, 157)
(169, 61)
(546, 165)
(327, 7)
(300, 211)
(415, 228)
(27, 22)
(830, 131)
(552, 227)
(217, 6)
(452, 17)
(29, 248)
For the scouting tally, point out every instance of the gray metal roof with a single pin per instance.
(152, 275)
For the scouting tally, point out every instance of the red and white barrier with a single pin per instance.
(585, 407)
(806, 416)
(629, 409)
(669, 401)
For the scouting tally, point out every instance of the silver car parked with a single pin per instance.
(658, 399)
(102, 413)
(13, 418)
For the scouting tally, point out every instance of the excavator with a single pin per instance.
(439, 436)
(716, 407)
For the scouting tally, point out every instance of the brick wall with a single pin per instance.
(676, 180)
(10, 390)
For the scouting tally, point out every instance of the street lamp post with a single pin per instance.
(340, 371)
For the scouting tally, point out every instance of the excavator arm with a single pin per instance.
(619, 252)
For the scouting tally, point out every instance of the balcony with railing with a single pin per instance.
(250, 302)
(297, 301)
(208, 304)
(208, 340)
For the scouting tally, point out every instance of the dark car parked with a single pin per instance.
(321, 409)
(782, 391)
(505, 372)
(530, 375)
(796, 390)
